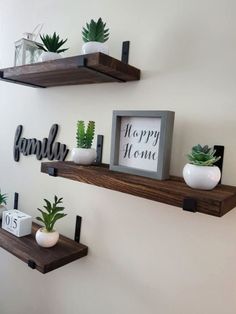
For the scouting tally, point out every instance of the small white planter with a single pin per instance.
(45, 238)
(94, 46)
(2, 208)
(201, 177)
(47, 56)
(84, 156)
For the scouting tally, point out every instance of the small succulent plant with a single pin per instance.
(52, 43)
(84, 137)
(52, 213)
(95, 31)
(202, 156)
(3, 198)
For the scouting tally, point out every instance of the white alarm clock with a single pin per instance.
(16, 222)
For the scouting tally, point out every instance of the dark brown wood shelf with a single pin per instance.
(42, 259)
(83, 69)
(173, 191)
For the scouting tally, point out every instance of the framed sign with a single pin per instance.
(141, 142)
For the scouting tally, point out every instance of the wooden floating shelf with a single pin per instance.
(83, 69)
(42, 259)
(173, 191)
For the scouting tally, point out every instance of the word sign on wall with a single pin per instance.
(139, 142)
(47, 148)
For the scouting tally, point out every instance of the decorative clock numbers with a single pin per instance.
(16, 222)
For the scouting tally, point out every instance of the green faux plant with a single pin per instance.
(52, 43)
(202, 156)
(95, 31)
(52, 214)
(84, 137)
(3, 198)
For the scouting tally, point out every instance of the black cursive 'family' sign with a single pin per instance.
(42, 149)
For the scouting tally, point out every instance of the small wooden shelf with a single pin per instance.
(83, 69)
(173, 191)
(42, 259)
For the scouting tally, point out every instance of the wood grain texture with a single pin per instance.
(46, 259)
(173, 191)
(84, 69)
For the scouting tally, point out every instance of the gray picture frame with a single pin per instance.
(164, 153)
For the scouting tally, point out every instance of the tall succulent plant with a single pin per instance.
(95, 31)
(84, 137)
(202, 156)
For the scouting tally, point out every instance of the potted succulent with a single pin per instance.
(95, 34)
(83, 154)
(200, 172)
(46, 236)
(51, 47)
(3, 201)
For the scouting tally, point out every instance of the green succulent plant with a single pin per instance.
(52, 213)
(95, 31)
(202, 156)
(3, 198)
(52, 43)
(84, 137)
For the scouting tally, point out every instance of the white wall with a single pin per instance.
(145, 257)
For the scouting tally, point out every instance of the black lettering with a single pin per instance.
(127, 151)
(156, 136)
(42, 149)
(16, 151)
(128, 130)
(31, 147)
(51, 138)
(63, 152)
(23, 145)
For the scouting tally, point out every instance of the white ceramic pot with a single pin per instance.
(83, 156)
(94, 46)
(47, 56)
(2, 208)
(45, 238)
(201, 177)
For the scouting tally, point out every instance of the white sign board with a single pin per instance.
(139, 142)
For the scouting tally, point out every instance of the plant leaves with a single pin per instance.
(95, 31)
(52, 43)
(52, 213)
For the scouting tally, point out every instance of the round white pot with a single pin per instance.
(83, 156)
(45, 238)
(201, 177)
(47, 56)
(2, 208)
(94, 46)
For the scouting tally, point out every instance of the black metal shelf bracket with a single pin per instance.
(125, 52)
(190, 204)
(16, 199)
(99, 149)
(78, 228)
(52, 171)
(31, 264)
(82, 63)
(18, 82)
(219, 153)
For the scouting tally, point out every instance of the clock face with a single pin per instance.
(10, 221)
(16, 222)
